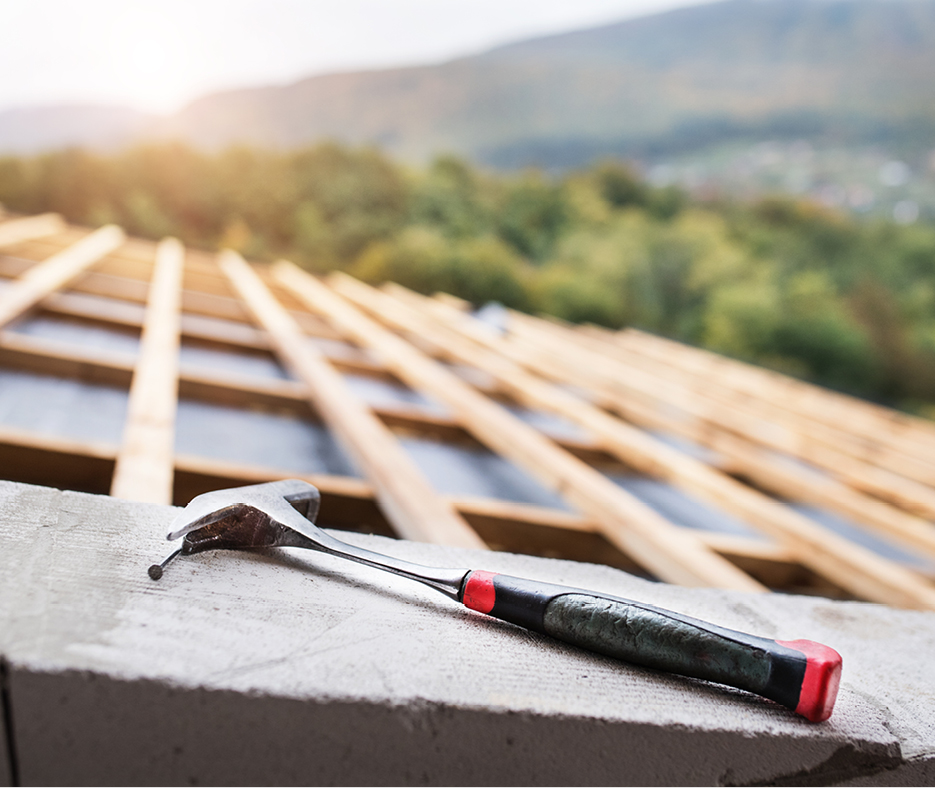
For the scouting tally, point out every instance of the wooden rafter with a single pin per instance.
(208, 385)
(145, 461)
(844, 563)
(59, 269)
(412, 506)
(115, 293)
(767, 469)
(852, 416)
(625, 521)
(14, 231)
(803, 429)
(350, 502)
(563, 356)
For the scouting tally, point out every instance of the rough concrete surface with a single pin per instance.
(296, 667)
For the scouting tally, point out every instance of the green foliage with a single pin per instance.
(454, 199)
(741, 318)
(478, 269)
(620, 186)
(531, 215)
(783, 283)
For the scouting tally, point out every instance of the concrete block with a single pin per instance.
(294, 667)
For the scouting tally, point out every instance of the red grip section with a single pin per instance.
(822, 677)
(479, 591)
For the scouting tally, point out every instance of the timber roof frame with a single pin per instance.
(766, 434)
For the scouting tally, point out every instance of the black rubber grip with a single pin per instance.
(661, 639)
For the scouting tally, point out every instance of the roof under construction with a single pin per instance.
(155, 373)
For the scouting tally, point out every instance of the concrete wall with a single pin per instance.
(295, 667)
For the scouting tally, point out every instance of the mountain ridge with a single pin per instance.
(854, 70)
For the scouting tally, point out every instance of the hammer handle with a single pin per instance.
(799, 674)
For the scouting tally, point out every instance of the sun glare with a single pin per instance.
(153, 63)
(158, 56)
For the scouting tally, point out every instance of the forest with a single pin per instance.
(791, 285)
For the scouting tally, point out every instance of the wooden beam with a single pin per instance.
(523, 528)
(779, 475)
(559, 361)
(345, 499)
(105, 311)
(874, 447)
(804, 485)
(210, 330)
(350, 503)
(845, 564)
(821, 405)
(410, 503)
(144, 462)
(81, 366)
(53, 273)
(52, 461)
(113, 368)
(346, 502)
(736, 456)
(397, 418)
(638, 530)
(563, 357)
(14, 231)
(133, 290)
(38, 249)
(49, 357)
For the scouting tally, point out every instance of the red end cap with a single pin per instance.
(822, 677)
(479, 591)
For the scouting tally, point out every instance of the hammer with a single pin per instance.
(799, 674)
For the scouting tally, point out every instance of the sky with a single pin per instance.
(158, 56)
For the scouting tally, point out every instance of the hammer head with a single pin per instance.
(261, 515)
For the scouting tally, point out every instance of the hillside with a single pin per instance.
(842, 71)
(851, 70)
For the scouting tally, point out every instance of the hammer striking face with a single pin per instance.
(800, 674)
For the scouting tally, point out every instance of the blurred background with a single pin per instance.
(752, 176)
